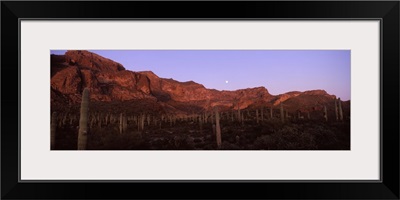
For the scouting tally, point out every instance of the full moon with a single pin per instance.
(226, 81)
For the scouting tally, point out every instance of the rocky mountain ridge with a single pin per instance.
(109, 81)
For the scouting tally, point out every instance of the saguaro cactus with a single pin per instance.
(238, 109)
(64, 120)
(217, 128)
(92, 121)
(271, 112)
(125, 124)
(262, 114)
(201, 123)
(282, 114)
(213, 128)
(138, 123)
(71, 120)
(99, 122)
(83, 121)
(239, 114)
(106, 119)
(325, 114)
(340, 110)
(142, 122)
(53, 128)
(257, 116)
(336, 110)
(121, 123)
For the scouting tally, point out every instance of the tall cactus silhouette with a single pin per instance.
(201, 123)
(148, 119)
(123, 123)
(262, 114)
(83, 121)
(336, 110)
(340, 110)
(240, 118)
(271, 112)
(218, 128)
(120, 123)
(325, 114)
(236, 103)
(257, 116)
(213, 129)
(106, 119)
(282, 114)
(138, 122)
(53, 128)
(142, 122)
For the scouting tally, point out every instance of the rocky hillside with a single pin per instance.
(110, 83)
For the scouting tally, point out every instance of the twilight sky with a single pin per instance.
(279, 71)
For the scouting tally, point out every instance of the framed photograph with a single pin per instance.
(301, 98)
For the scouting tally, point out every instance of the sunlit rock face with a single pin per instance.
(108, 81)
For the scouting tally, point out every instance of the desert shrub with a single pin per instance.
(288, 138)
(266, 142)
(266, 130)
(159, 143)
(210, 146)
(197, 140)
(113, 141)
(229, 138)
(229, 146)
(180, 142)
(324, 137)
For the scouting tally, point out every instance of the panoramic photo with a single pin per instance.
(200, 99)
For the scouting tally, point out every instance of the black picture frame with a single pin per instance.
(386, 11)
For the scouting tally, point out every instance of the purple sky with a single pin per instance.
(280, 71)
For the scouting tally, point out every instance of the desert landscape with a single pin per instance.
(98, 104)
